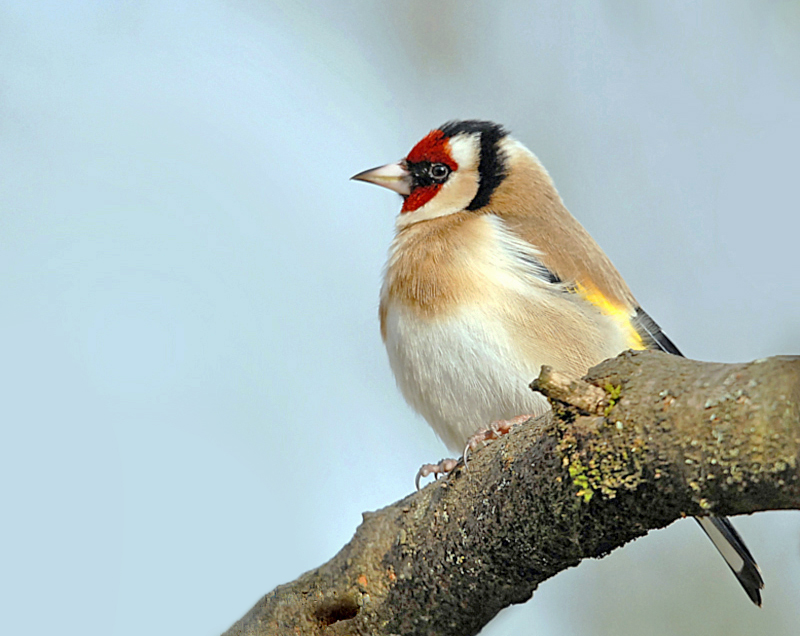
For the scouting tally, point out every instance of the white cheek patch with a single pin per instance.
(465, 151)
(459, 190)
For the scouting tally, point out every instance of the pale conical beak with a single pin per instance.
(393, 176)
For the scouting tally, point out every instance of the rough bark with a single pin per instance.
(643, 440)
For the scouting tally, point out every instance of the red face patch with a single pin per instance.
(419, 197)
(433, 148)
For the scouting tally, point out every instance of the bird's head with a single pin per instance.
(453, 168)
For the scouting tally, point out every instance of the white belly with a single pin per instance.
(461, 372)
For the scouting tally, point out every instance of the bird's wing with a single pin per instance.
(531, 208)
(572, 258)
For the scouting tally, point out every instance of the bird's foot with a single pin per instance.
(495, 430)
(444, 467)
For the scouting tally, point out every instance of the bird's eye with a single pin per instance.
(439, 171)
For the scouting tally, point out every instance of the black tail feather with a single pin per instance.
(721, 531)
(732, 548)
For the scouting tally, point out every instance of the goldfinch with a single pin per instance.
(488, 278)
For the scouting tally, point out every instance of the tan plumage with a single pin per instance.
(447, 264)
(528, 201)
(489, 277)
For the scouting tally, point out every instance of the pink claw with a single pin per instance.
(496, 429)
(444, 467)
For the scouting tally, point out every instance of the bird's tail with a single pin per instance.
(721, 532)
(732, 548)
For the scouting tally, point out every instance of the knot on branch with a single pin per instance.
(570, 390)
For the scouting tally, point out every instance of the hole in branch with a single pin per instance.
(335, 610)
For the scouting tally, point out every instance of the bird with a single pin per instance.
(488, 278)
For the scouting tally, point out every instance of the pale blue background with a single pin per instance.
(195, 402)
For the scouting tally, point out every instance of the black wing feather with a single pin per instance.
(651, 333)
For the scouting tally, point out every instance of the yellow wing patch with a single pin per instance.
(621, 315)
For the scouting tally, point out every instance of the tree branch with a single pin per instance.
(645, 439)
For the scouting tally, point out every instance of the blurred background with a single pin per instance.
(196, 405)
